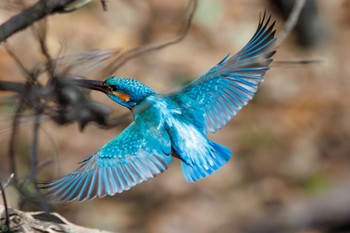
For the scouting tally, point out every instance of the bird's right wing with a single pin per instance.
(222, 91)
(139, 153)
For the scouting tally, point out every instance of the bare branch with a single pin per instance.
(31, 15)
(43, 222)
(12, 86)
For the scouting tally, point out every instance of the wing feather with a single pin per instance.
(231, 84)
(134, 156)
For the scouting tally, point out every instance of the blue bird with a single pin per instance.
(170, 125)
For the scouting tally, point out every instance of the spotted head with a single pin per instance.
(125, 91)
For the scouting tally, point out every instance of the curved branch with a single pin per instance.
(31, 15)
(291, 22)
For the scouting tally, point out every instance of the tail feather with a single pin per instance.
(218, 156)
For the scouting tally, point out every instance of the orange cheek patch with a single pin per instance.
(124, 97)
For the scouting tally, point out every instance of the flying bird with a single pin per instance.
(170, 125)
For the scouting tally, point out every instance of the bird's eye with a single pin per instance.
(108, 87)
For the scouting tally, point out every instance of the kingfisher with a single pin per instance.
(167, 126)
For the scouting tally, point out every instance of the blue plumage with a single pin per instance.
(170, 125)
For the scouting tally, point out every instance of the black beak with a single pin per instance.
(92, 84)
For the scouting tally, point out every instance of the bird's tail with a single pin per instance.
(216, 158)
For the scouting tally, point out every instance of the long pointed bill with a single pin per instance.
(92, 84)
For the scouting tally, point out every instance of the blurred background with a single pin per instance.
(290, 167)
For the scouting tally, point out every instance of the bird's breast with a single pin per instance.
(187, 141)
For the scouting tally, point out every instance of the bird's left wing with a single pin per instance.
(140, 152)
(221, 92)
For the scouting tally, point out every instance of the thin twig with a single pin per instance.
(290, 24)
(104, 4)
(35, 143)
(7, 216)
(41, 35)
(8, 181)
(133, 53)
(12, 143)
(34, 159)
(297, 62)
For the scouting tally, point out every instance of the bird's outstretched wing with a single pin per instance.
(227, 87)
(140, 152)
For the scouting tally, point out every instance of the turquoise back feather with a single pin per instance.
(221, 92)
